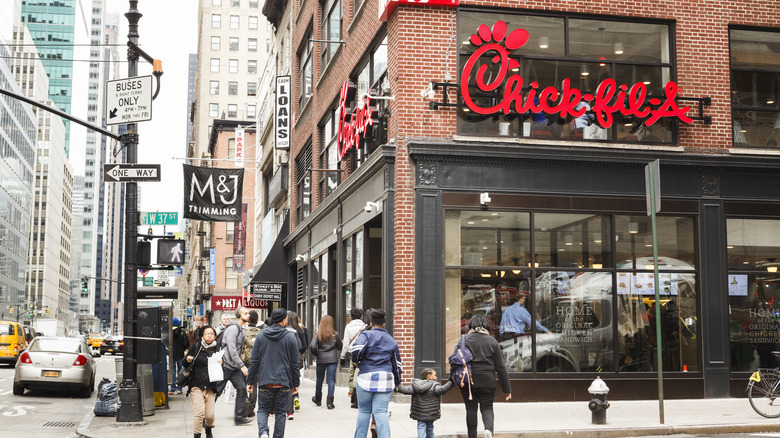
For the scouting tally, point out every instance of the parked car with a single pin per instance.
(55, 362)
(12, 341)
(112, 344)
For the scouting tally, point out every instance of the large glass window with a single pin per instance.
(353, 266)
(584, 51)
(755, 87)
(331, 28)
(753, 249)
(561, 297)
(329, 179)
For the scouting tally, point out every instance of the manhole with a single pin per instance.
(59, 424)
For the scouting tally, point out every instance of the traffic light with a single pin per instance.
(11, 310)
(170, 252)
(85, 286)
(144, 255)
(47, 310)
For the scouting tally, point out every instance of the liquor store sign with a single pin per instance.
(609, 98)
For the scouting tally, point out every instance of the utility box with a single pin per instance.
(149, 321)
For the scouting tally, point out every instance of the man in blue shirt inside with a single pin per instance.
(516, 317)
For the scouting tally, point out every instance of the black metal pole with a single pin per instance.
(130, 408)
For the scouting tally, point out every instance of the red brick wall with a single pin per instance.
(422, 46)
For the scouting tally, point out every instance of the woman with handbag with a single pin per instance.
(202, 389)
(325, 347)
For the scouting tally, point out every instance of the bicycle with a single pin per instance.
(765, 383)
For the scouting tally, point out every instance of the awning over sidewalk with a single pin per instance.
(273, 270)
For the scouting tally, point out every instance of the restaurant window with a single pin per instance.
(213, 87)
(213, 110)
(586, 52)
(753, 252)
(251, 45)
(235, 21)
(330, 29)
(303, 183)
(233, 44)
(232, 110)
(305, 70)
(550, 284)
(232, 88)
(352, 288)
(755, 87)
(215, 43)
(329, 179)
(216, 21)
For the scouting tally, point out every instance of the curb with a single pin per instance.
(707, 429)
(83, 428)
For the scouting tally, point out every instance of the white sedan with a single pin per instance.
(55, 363)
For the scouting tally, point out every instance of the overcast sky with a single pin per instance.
(167, 31)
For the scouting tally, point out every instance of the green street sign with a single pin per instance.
(148, 281)
(160, 218)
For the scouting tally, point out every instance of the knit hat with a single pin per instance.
(176, 322)
(278, 315)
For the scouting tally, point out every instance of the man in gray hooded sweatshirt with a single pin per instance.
(274, 369)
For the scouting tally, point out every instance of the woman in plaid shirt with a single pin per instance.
(379, 362)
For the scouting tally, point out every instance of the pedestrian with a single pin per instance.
(379, 371)
(487, 362)
(178, 343)
(232, 366)
(351, 332)
(224, 321)
(426, 395)
(294, 327)
(274, 371)
(325, 347)
(200, 387)
(252, 330)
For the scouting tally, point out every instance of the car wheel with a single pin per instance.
(18, 389)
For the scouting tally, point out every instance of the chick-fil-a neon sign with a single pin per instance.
(351, 131)
(608, 99)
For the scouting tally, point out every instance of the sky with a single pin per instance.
(167, 31)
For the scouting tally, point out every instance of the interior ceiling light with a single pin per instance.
(618, 48)
(584, 70)
(544, 42)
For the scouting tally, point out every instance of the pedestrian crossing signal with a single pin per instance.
(170, 252)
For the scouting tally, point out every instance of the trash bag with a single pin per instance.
(106, 404)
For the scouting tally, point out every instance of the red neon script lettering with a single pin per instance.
(350, 132)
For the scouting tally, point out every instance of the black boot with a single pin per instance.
(353, 399)
(208, 432)
(317, 399)
(197, 435)
(329, 402)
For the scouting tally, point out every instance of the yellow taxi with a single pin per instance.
(12, 341)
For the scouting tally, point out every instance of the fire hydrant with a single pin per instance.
(598, 403)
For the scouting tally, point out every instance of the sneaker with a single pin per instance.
(264, 435)
(289, 417)
(297, 404)
(488, 434)
(243, 421)
(178, 391)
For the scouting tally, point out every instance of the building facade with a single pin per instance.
(470, 159)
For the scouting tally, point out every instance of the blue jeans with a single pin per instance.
(424, 429)
(321, 369)
(177, 366)
(272, 400)
(372, 403)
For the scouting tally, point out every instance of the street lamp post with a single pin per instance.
(130, 409)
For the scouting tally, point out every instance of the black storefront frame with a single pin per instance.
(708, 186)
(565, 16)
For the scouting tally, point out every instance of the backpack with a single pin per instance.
(460, 365)
(249, 342)
(221, 335)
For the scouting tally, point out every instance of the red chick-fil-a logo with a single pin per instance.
(350, 132)
(566, 101)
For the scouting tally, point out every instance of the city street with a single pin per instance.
(52, 414)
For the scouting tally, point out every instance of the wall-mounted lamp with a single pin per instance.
(618, 48)
(544, 42)
(484, 198)
(361, 102)
(428, 92)
(300, 257)
(372, 205)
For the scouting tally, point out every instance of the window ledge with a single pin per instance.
(332, 61)
(582, 144)
(356, 15)
(751, 151)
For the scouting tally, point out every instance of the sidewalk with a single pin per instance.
(551, 419)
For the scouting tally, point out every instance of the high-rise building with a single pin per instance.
(17, 140)
(48, 269)
(51, 24)
(192, 75)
